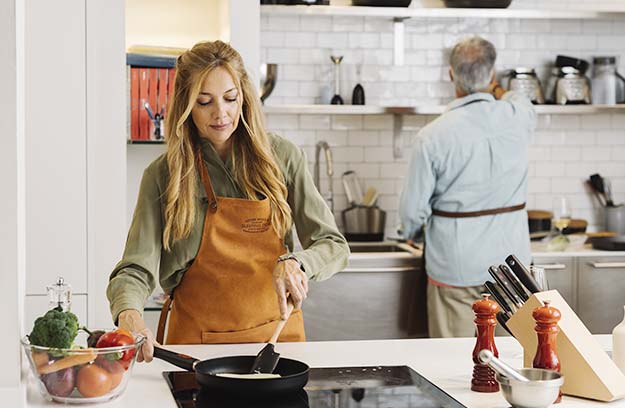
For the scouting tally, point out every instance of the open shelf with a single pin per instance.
(426, 109)
(146, 142)
(406, 12)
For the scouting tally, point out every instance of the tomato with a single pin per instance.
(112, 366)
(116, 379)
(93, 381)
(116, 369)
(119, 337)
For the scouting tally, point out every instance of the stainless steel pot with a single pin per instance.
(615, 219)
(362, 223)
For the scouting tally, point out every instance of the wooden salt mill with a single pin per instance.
(547, 318)
(485, 319)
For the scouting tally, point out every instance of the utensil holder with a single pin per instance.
(588, 370)
(615, 219)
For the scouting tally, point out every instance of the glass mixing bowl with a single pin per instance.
(82, 375)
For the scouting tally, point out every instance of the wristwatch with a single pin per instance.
(293, 257)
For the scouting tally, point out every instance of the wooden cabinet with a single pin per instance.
(601, 294)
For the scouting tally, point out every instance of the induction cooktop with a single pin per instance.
(345, 387)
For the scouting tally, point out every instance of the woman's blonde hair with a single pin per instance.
(255, 167)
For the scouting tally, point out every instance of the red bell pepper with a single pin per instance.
(115, 338)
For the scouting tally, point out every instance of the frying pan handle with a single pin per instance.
(179, 360)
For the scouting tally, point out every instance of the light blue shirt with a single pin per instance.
(471, 158)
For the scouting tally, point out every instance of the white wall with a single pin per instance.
(174, 24)
(566, 149)
(12, 277)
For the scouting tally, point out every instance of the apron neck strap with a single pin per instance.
(206, 181)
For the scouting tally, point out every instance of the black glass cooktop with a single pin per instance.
(346, 387)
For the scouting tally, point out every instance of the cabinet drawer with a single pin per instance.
(601, 282)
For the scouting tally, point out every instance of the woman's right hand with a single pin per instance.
(132, 321)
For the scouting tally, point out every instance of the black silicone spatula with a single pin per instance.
(267, 359)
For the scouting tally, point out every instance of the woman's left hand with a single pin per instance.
(289, 280)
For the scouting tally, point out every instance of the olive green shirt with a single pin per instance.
(134, 278)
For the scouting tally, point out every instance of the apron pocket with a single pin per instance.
(293, 331)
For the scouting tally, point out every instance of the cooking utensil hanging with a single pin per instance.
(267, 359)
(352, 188)
(293, 374)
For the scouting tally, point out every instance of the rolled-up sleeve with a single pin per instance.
(325, 249)
(133, 278)
(414, 203)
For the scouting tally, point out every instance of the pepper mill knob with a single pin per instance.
(547, 318)
(485, 310)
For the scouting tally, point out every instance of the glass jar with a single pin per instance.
(60, 294)
(604, 81)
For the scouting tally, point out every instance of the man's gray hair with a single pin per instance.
(472, 62)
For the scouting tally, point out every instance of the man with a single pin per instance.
(467, 187)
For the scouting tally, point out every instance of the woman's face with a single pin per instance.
(216, 110)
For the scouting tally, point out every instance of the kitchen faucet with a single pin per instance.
(329, 171)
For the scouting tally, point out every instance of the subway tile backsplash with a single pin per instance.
(566, 149)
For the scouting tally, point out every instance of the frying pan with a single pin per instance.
(616, 243)
(294, 374)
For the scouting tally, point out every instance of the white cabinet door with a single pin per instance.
(36, 306)
(560, 272)
(56, 189)
(601, 292)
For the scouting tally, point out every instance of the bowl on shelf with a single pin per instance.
(81, 375)
(477, 3)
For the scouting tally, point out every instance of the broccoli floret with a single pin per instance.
(55, 329)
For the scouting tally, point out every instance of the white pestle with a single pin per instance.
(487, 357)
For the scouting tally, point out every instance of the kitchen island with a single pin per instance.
(445, 362)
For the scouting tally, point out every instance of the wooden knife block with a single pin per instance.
(588, 370)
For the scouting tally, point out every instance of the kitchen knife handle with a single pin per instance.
(505, 285)
(522, 273)
(492, 289)
(517, 286)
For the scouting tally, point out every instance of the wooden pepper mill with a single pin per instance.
(547, 318)
(485, 319)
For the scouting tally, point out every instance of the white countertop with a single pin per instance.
(577, 250)
(445, 362)
(538, 248)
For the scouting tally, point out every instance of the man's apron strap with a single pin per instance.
(470, 214)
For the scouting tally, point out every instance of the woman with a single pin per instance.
(214, 216)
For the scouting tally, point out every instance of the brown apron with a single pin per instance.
(227, 294)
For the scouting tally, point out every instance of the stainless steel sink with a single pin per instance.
(368, 247)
